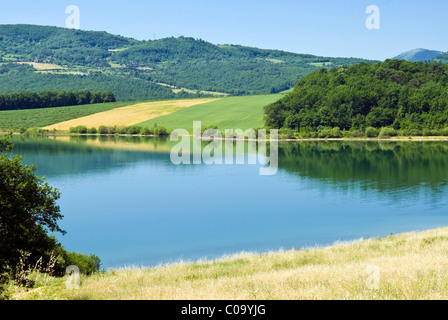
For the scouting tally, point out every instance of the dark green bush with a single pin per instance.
(415, 132)
(147, 131)
(387, 133)
(134, 130)
(330, 133)
(103, 130)
(160, 131)
(112, 129)
(372, 132)
(79, 129)
(82, 129)
(444, 132)
(123, 130)
(33, 132)
(286, 133)
(354, 134)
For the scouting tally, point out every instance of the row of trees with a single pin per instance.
(394, 93)
(369, 132)
(132, 130)
(51, 99)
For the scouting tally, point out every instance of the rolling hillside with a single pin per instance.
(37, 58)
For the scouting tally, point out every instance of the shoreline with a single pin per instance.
(405, 266)
(396, 138)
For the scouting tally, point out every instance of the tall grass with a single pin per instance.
(409, 266)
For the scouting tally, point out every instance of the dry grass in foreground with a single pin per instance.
(407, 266)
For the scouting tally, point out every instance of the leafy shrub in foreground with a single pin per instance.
(147, 131)
(354, 134)
(87, 264)
(387, 133)
(79, 129)
(103, 130)
(160, 131)
(33, 132)
(372, 132)
(330, 133)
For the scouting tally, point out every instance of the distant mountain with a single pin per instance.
(139, 70)
(419, 55)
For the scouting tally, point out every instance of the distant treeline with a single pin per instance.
(51, 99)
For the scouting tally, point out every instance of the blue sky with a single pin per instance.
(327, 28)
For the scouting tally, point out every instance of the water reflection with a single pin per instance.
(392, 168)
(124, 200)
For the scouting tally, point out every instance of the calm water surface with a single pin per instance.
(123, 200)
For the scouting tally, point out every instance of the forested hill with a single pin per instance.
(59, 45)
(395, 93)
(443, 58)
(235, 69)
(139, 70)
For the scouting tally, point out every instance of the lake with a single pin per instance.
(123, 199)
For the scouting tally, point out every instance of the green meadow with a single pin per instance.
(31, 118)
(242, 112)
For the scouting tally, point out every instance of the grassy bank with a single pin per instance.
(406, 266)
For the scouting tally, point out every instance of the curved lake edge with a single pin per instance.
(328, 175)
(403, 266)
(396, 138)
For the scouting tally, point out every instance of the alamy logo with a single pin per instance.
(373, 21)
(189, 149)
(373, 277)
(73, 279)
(73, 20)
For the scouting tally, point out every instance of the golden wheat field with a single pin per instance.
(407, 266)
(129, 115)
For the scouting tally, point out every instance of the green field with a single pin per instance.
(241, 112)
(16, 119)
